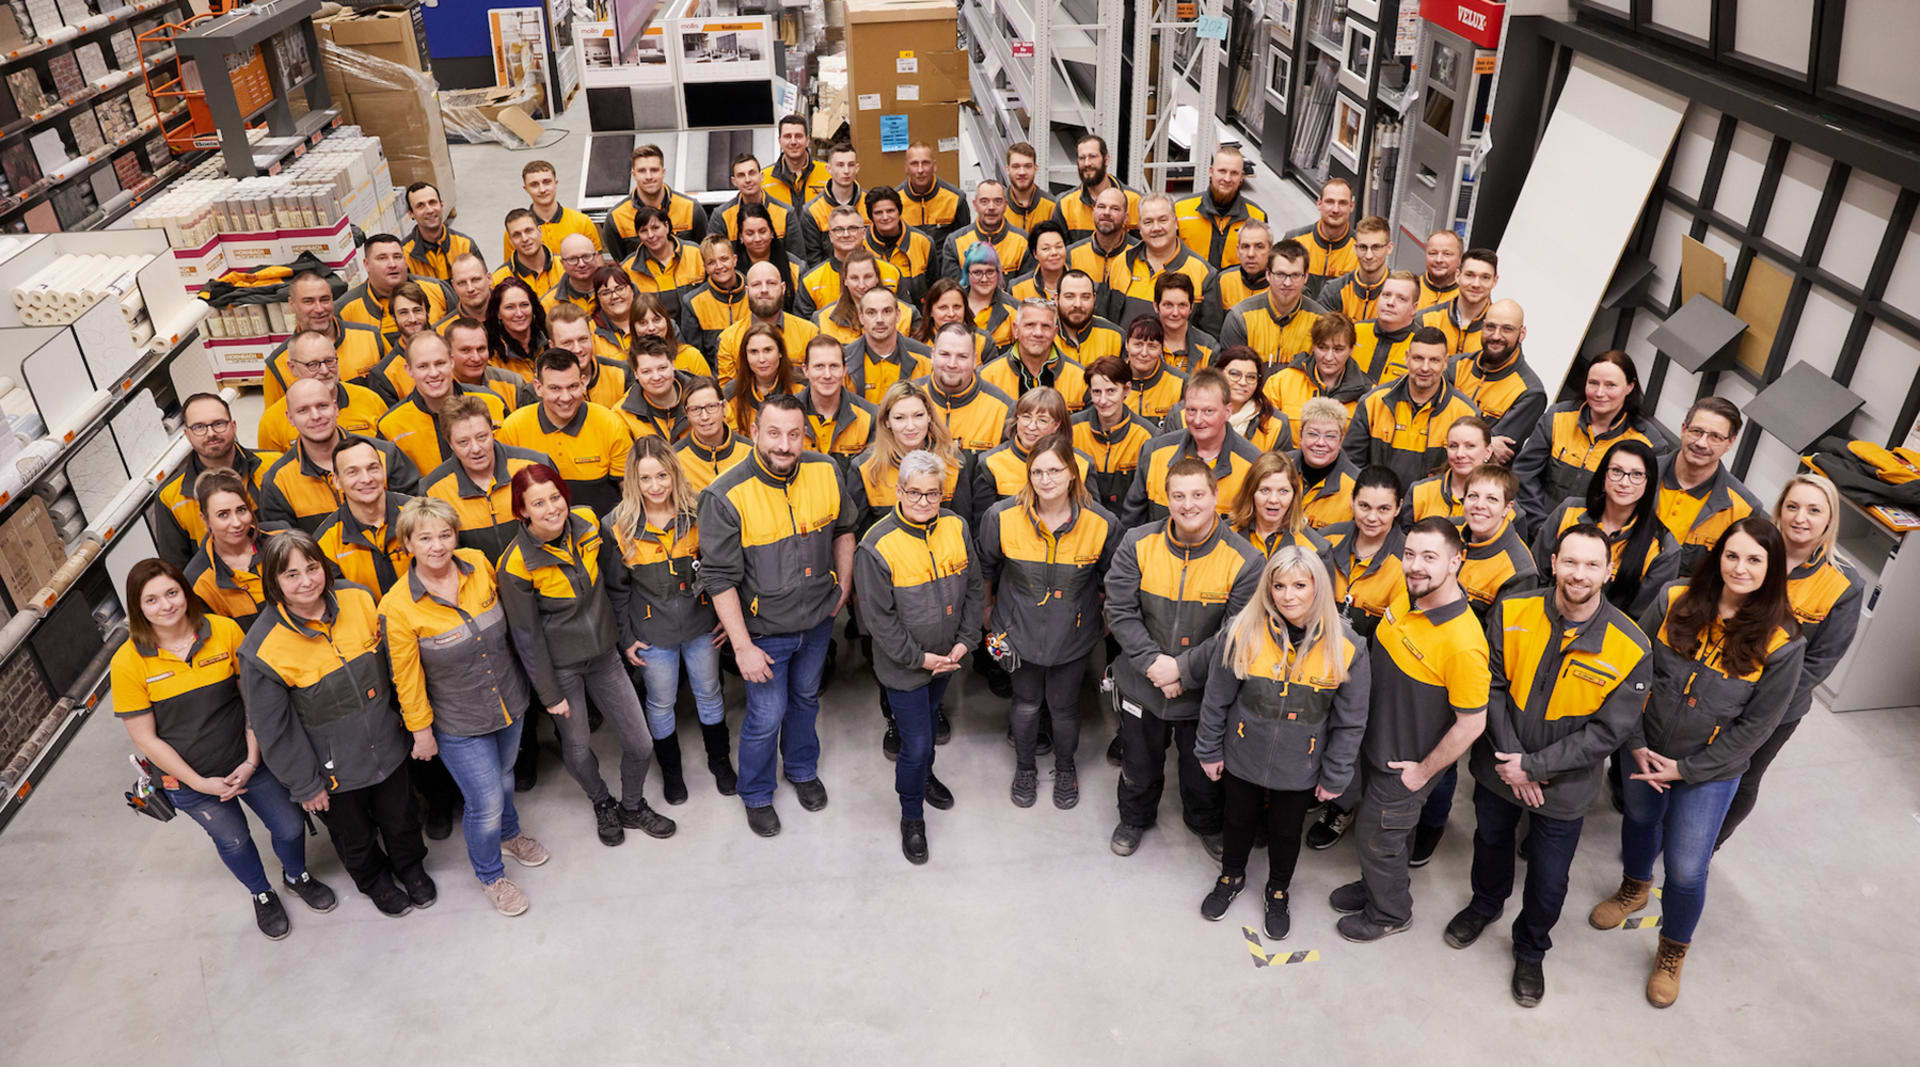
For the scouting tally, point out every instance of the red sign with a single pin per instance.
(1023, 48)
(1477, 20)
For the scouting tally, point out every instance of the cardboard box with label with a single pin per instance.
(396, 36)
(906, 78)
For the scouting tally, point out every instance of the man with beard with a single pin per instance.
(1329, 241)
(310, 306)
(1498, 380)
(1442, 280)
(1035, 359)
(1278, 323)
(1084, 336)
(766, 301)
(1460, 318)
(1569, 675)
(1076, 208)
(975, 413)
(1096, 253)
(1210, 222)
(1699, 498)
(1357, 294)
(432, 246)
(1248, 278)
(929, 203)
(649, 172)
(1130, 277)
(776, 537)
(892, 241)
(1430, 682)
(213, 437)
(1028, 204)
(990, 227)
(796, 177)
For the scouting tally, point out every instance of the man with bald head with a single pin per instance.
(1441, 282)
(1096, 253)
(1498, 380)
(578, 260)
(766, 303)
(311, 356)
(299, 488)
(1460, 317)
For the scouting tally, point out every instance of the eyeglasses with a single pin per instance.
(846, 231)
(920, 496)
(1700, 433)
(584, 257)
(612, 290)
(201, 429)
(1036, 418)
(704, 409)
(1319, 437)
(1289, 277)
(1046, 474)
(1243, 375)
(1626, 477)
(316, 364)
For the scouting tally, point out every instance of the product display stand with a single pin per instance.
(105, 443)
(239, 34)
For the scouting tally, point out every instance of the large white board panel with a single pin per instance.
(1588, 184)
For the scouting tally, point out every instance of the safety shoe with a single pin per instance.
(270, 917)
(1225, 888)
(312, 892)
(812, 794)
(1465, 927)
(1126, 839)
(1629, 898)
(1026, 786)
(1663, 985)
(1330, 829)
(938, 795)
(647, 821)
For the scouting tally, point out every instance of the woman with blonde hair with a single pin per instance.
(764, 370)
(1825, 591)
(1280, 722)
(1267, 511)
(666, 621)
(1001, 471)
(1044, 554)
(858, 275)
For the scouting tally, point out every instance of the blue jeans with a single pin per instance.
(913, 713)
(1549, 859)
(483, 767)
(783, 709)
(233, 838)
(1682, 823)
(661, 670)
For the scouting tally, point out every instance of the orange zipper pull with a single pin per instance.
(1310, 743)
(1714, 734)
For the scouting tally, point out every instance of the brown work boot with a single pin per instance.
(1611, 912)
(1663, 985)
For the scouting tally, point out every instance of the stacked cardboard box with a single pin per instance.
(396, 109)
(907, 77)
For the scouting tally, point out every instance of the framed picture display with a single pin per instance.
(1279, 76)
(1356, 57)
(1343, 140)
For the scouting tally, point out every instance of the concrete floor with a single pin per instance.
(1025, 939)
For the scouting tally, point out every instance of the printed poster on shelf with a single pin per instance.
(603, 66)
(737, 49)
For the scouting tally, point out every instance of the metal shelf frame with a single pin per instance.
(1147, 145)
(1049, 88)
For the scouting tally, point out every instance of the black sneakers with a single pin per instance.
(1215, 844)
(763, 820)
(913, 840)
(1425, 840)
(1026, 786)
(1529, 983)
(942, 728)
(1349, 898)
(392, 901)
(1126, 839)
(1278, 921)
(1330, 829)
(312, 892)
(1066, 788)
(269, 916)
(606, 822)
(890, 742)
(812, 794)
(421, 892)
(1225, 888)
(937, 794)
(647, 821)
(1465, 928)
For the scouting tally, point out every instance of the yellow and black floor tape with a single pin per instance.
(1263, 958)
(1640, 922)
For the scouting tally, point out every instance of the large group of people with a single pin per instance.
(1310, 523)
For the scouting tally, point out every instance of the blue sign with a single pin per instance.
(893, 133)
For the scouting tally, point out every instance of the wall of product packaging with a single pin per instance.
(218, 224)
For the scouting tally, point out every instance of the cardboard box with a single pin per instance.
(396, 36)
(412, 135)
(904, 61)
(30, 550)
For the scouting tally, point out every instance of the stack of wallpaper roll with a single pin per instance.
(71, 284)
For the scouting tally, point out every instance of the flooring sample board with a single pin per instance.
(1574, 219)
(1702, 270)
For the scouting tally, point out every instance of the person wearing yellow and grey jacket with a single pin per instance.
(1281, 722)
(1109, 433)
(649, 553)
(555, 596)
(776, 542)
(299, 489)
(1567, 444)
(318, 684)
(1700, 498)
(1171, 587)
(1569, 676)
(920, 598)
(1621, 499)
(1043, 554)
(178, 524)
(1826, 592)
(461, 686)
(1498, 380)
(1403, 424)
(1727, 658)
(1206, 437)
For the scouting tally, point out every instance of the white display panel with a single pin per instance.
(1689, 17)
(1903, 289)
(1888, 362)
(1775, 31)
(1555, 261)
(1824, 322)
(1674, 225)
(1877, 51)
(1693, 152)
(1858, 226)
(1740, 177)
(1797, 198)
